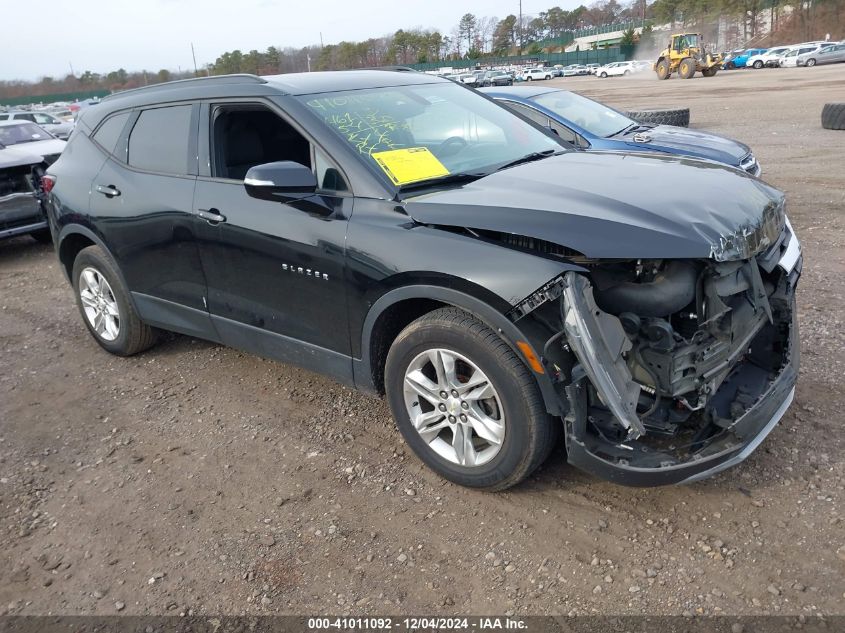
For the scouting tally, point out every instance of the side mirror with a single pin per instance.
(281, 182)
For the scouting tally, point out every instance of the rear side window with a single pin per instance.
(4, 117)
(109, 132)
(159, 140)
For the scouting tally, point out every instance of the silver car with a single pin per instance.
(825, 55)
(58, 128)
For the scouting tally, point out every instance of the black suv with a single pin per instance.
(409, 236)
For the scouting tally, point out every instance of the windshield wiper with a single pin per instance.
(528, 158)
(631, 128)
(450, 179)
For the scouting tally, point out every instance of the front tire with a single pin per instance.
(465, 403)
(104, 304)
(686, 69)
(811, 62)
(758, 64)
(603, 75)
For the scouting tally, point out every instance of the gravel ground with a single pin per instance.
(197, 479)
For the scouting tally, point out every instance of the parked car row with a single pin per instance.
(621, 69)
(806, 54)
(59, 128)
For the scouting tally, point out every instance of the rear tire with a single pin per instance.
(514, 411)
(127, 334)
(833, 116)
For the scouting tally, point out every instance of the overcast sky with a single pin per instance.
(103, 35)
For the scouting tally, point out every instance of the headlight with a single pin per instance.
(751, 238)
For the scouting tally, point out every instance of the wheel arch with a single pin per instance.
(73, 238)
(394, 310)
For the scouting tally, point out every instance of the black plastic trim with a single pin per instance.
(175, 317)
(285, 349)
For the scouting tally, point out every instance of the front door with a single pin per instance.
(274, 270)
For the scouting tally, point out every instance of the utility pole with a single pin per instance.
(71, 69)
(193, 54)
(519, 27)
(308, 58)
(321, 39)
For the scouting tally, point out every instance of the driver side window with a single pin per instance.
(244, 136)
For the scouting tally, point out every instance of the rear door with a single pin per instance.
(142, 200)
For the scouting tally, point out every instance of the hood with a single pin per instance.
(690, 142)
(12, 157)
(616, 205)
(47, 147)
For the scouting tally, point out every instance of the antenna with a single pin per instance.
(193, 54)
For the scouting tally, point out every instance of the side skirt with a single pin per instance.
(175, 317)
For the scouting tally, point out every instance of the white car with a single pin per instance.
(575, 70)
(769, 59)
(617, 69)
(531, 74)
(470, 79)
(790, 58)
(31, 138)
(53, 124)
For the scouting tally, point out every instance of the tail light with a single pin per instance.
(47, 183)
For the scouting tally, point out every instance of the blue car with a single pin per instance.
(739, 59)
(589, 125)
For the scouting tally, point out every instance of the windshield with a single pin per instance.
(593, 117)
(22, 133)
(417, 133)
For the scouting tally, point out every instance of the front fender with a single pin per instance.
(494, 319)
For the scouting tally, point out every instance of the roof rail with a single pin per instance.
(242, 78)
(402, 69)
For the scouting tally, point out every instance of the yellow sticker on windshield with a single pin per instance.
(404, 166)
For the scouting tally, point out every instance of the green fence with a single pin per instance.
(52, 98)
(600, 56)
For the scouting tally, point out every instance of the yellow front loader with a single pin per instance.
(686, 56)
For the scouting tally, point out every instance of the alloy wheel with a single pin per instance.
(99, 304)
(454, 407)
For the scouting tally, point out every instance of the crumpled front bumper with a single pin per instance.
(634, 463)
(752, 427)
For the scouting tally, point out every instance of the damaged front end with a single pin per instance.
(673, 370)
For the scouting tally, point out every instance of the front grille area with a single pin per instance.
(749, 164)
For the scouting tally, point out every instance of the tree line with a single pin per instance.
(734, 22)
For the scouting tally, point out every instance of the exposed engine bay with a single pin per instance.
(667, 363)
(19, 179)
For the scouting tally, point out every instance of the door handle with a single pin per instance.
(212, 216)
(109, 191)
